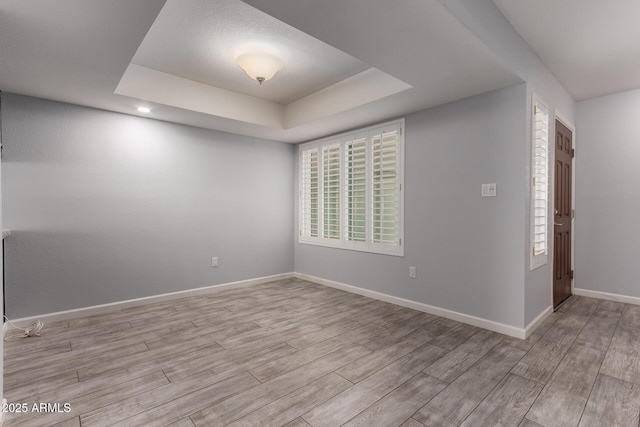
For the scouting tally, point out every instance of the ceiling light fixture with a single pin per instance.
(144, 109)
(259, 66)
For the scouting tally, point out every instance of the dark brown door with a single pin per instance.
(562, 268)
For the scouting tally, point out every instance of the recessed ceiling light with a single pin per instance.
(259, 66)
(144, 109)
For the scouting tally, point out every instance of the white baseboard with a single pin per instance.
(606, 295)
(538, 320)
(437, 311)
(106, 308)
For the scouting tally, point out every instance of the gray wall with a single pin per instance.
(106, 207)
(484, 19)
(608, 194)
(467, 249)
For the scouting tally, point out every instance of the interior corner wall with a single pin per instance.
(467, 249)
(608, 194)
(485, 20)
(106, 207)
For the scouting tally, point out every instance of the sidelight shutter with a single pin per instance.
(540, 184)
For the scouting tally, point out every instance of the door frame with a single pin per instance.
(552, 194)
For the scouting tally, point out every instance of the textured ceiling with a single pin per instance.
(200, 40)
(591, 46)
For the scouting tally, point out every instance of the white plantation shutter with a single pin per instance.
(351, 190)
(331, 191)
(356, 189)
(540, 184)
(385, 187)
(309, 201)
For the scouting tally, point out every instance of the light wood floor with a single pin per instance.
(296, 353)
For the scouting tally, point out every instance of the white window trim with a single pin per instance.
(342, 243)
(538, 260)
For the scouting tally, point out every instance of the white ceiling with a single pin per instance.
(347, 64)
(591, 46)
(202, 41)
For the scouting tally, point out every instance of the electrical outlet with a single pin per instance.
(489, 190)
(214, 261)
(412, 272)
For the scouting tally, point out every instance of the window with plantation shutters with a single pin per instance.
(384, 183)
(309, 209)
(356, 189)
(539, 184)
(351, 190)
(331, 191)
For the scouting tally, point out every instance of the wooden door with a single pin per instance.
(562, 230)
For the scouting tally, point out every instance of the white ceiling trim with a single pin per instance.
(167, 89)
(162, 88)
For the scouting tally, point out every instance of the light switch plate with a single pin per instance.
(489, 190)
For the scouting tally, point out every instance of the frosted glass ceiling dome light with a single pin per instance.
(259, 66)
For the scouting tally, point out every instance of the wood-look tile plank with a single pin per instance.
(184, 422)
(35, 386)
(69, 357)
(565, 395)
(308, 354)
(215, 361)
(352, 401)
(613, 402)
(395, 333)
(359, 369)
(181, 405)
(412, 423)
(529, 423)
(455, 336)
(148, 359)
(540, 362)
(244, 403)
(52, 369)
(598, 332)
(324, 334)
(606, 308)
(584, 306)
(397, 406)
(506, 405)
(298, 422)
(456, 402)
(630, 318)
(559, 404)
(90, 397)
(164, 397)
(293, 405)
(457, 361)
(622, 360)
(216, 332)
(71, 422)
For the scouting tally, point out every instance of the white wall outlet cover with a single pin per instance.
(412, 272)
(489, 190)
(214, 261)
